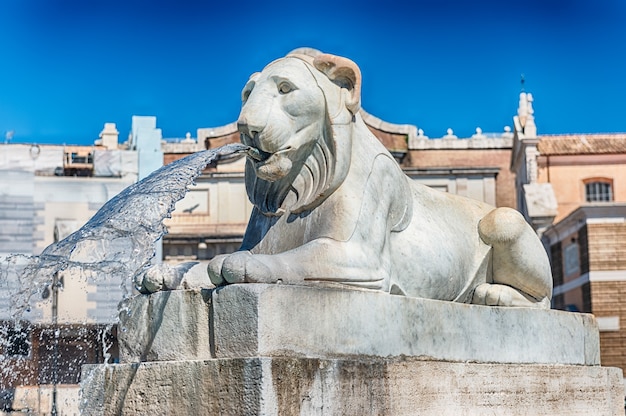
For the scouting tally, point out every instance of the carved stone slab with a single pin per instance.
(262, 320)
(358, 386)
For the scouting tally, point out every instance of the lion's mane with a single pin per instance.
(299, 190)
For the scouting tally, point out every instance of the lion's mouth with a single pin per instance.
(261, 157)
(258, 154)
(254, 152)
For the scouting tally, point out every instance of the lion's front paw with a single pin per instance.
(244, 266)
(234, 267)
(160, 277)
(215, 269)
(151, 281)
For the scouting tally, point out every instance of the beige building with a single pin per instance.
(572, 188)
(582, 168)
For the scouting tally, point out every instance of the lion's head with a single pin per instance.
(297, 114)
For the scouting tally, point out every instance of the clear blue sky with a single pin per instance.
(69, 66)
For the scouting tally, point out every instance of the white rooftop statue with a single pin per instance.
(188, 138)
(529, 111)
(450, 134)
(522, 108)
(479, 134)
(109, 136)
(525, 114)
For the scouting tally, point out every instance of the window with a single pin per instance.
(571, 258)
(599, 190)
(18, 342)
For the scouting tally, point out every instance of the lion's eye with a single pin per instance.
(285, 88)
(245, 94)
(247, 90)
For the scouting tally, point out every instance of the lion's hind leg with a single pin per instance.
(493, 294)
(521, 273)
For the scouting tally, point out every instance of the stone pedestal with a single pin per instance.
(282, 350)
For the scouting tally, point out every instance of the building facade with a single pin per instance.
(572, 189)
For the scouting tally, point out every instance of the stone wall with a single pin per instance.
(608, 302)
(607, 250)
(365, 386)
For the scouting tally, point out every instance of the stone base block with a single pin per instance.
(165, 326)
(360, 386)
(252, 320)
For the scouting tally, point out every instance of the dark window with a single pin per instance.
(598, 192)
(18, 342)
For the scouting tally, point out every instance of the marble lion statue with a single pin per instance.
(332, 205)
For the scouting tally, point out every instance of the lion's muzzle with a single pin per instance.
(257, 154)
(254, 151)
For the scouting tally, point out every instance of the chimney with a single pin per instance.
(109, 136)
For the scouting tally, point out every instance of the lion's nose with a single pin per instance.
(249, 132)
(254, 115)
(247, 136)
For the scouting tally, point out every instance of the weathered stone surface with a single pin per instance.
(171, 326)
(250, 320)
(364, 386)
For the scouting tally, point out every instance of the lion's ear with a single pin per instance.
(345, 73)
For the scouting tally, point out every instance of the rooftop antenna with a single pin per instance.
(522, 81)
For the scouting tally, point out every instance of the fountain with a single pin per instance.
(118, 242)
(355, 291)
